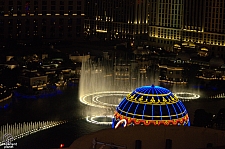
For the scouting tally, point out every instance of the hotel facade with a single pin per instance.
(165, 23)
(41, 19)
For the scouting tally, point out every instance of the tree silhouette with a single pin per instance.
(202, 118)
(220, 119)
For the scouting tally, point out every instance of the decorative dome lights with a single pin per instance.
(150, 105)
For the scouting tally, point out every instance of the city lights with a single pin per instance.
(186, 95)
(93, 99)
(94, 119)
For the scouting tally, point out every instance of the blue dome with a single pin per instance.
(152, 104)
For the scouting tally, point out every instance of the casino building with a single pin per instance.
(162, 23)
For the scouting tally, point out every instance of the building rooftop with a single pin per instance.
(153, 137)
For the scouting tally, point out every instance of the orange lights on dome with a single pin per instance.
(181, 121)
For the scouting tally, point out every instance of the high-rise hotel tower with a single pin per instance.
(165, 23)
(41, 19)
(110, 19)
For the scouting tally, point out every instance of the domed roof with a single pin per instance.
(151, 105)
(216, 62)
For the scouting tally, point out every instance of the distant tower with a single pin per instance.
(166, 13)
(116, 19)
(165, 21)
(24, 20)
(194, 13)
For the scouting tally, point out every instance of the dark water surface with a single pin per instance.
(66, 106)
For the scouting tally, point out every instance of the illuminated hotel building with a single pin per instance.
(204, 24)
(164, 23)
(41, 19)
(109, 19)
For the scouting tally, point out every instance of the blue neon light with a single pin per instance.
(143, 111)
(129, 108)
(189, 123)
(122, 102)
(185, 110)
(179, 109)
(124, 105)
(168, 111)
(152, 89)
(160, 111)
(152, 111)
(175, 110)
(135, 110)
